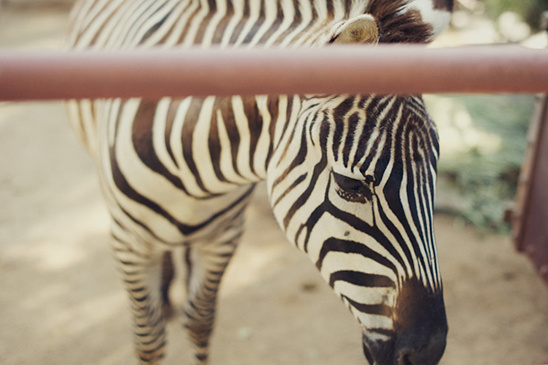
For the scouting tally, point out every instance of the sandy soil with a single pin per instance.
(61, 301)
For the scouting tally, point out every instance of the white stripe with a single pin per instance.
(138, 23)
(200, 149)
(238, 9)
(271, 14)
(242, 124)
(382, 204)
(209, 33)
(254, 13)
(296, 36)
(226, 158)
(172, 14)
(177, 145)
(264, 142)
(182, 22)
(288, 12)
(195, 23)
(358, 130)
(93, 26)
(375, 135)
(159, 135)
(131, 13)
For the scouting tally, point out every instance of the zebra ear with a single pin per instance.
(361, 29)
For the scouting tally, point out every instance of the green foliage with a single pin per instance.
(484, 155)
(530, 10)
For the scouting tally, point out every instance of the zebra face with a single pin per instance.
(356, 195)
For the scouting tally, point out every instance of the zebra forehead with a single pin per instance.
(366, 118)
(371, 130)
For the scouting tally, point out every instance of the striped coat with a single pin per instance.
(350, 177)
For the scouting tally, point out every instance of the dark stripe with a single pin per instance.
(257, 24)
(141, 224)
(297, 19)
(337, 245)
(376, 107)
(255, 127)
(301, 200)
(187, 135)
(318, 168)
(414, 181)
(223, 23)
(398, 241)
(295, 183)
(172, 111)
(273, 111)
(393, 185)
(150, 32)
(225, 106)
(299, 159)
(288, 114)
(214, 146)
(239, 27)
(382, 331)
(204, 23)
(361, 279)
(274, 27)
(123, 185)
(373, 309)
(187, 24)
(422, 181)
(353, 121)
(355, 222)
(142, 140)
(339, 115)
(143, 12)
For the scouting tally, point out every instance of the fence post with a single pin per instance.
(529, 217)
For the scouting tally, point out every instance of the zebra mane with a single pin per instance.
(399, 26)
(399, 21)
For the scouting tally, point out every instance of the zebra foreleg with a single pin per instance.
(141, 273)
(206, 266)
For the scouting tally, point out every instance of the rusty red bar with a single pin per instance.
(339, 69)
(531, 210)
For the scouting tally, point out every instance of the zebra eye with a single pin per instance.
(354, 190)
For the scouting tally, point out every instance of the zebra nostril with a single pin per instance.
(403, 359)
(422, 355)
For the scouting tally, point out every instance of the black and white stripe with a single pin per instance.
(350, 177)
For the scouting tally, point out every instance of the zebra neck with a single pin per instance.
(265, 23)
(225, 139)
(205, 23)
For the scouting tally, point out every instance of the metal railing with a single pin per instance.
(339, 69)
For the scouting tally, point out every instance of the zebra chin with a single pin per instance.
(419, 330)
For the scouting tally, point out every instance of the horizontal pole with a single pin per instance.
(382, 69)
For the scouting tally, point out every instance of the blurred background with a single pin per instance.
(61, 302)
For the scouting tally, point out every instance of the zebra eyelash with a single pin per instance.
(354, 190)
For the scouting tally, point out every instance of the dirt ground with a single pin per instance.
(61, 301)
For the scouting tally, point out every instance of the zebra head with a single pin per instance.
(352, 184)
(354, 188)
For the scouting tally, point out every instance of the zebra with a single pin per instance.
(350, 178)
